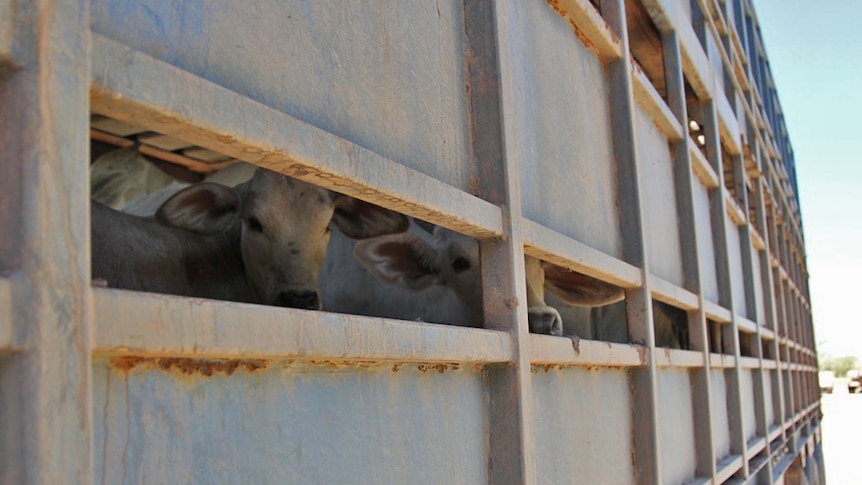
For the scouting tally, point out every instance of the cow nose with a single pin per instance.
(306, 300)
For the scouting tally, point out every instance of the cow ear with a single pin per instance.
(358, 219)
(403, 260)
(204, 208)
(579, 289)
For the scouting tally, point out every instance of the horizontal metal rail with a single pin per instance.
(551, 246)
(129, 323)
(590, 27)
(563, 351)
(671, 294)
(726, 467)
(665, 358)
(649, 99)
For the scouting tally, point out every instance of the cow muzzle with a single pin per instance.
(305, 300)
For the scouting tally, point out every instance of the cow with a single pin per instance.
(435, 276)
(263, 241)
(123, 175)
(608, 322)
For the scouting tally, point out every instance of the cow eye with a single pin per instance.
(460, 264)
(254, 224)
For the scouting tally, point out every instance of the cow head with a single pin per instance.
(284, 232)
(452, 260)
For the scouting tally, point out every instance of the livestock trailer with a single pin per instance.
(637, 142)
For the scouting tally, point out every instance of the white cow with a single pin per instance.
(261, 242)
(123, 175)
(436, 277)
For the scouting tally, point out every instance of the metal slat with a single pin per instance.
(562, 351)
(667, 358)
(129, 323)
(649, 99)
(590, 27)
(671, 294)
(127, 85)
(561, 250)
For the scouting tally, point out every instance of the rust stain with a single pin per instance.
(125, 364)
(512, 303)
(205, 367)
(441, 368)
(475, 187)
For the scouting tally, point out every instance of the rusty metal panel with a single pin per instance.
(179, 420)
(661, 224)
(676, 421)
(583, 426)
(387, 76)
(563, 122)
(720, 426)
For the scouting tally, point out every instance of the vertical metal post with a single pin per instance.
(769, 298)
(638, 302)
(44, 238)
(740, 177)
(709, 117)
(684, 184)
(512, 451)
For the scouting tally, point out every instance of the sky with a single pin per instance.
(815, 54)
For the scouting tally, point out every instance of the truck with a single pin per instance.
(640, 143)
(854, 381)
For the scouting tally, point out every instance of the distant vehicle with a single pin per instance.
(854, 380)
(827, 381)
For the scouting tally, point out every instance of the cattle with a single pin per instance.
(263, 241)
(123, 175)
(608, 322)
(436, 277)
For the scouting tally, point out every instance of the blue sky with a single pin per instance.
(815, 53)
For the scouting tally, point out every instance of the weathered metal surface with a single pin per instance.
(564, 131)
(44, 243)
(720, 429)
(734, 253)
(549, 352)
(589, 27)
(572, 446)
(132, 323)
(746, 386)
(288, 424)
(676, 426)
(662, 230)
(705, 248)
(388, 77)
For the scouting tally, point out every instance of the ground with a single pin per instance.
(842, 436)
